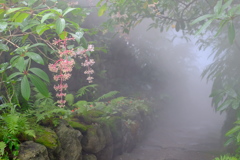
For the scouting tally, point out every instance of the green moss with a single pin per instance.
(94, 113)
(48, 138)
(78, 126)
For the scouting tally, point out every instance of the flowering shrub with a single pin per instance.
(63, 66)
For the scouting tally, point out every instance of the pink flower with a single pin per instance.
(90, 48)
(60, 87)
(60, 95)
(52, 68)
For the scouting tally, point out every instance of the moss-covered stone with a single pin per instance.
(47, 137)
(77, 125)
(115, 125)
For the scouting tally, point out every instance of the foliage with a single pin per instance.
(225, 157)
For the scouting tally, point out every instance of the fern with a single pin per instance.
(118, 99)
(107, 95)
(30, 133)
(2, 147)
(84, 90)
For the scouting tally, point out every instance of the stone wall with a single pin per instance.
(88, 137)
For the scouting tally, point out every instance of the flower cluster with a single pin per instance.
(88, 62)
(64, 65)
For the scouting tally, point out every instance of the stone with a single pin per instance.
(94, 139)
(70, 140)
(30, 150)
(90, 157)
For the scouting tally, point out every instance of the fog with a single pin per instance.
(186, 118)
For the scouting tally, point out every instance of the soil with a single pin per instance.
(186, 129)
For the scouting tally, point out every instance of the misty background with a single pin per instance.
(165, 68)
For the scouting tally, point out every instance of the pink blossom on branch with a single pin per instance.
(64, 65)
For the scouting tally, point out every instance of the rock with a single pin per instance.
(107, 152)
(70, 142)
(30, 150)
(94, 139)
(90, 157)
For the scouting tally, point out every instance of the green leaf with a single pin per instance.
(39, 84)
(77, 36)
(3, 26)
(231, 33)
(41, 28)
(60, 25)
(70, 99)
(40, 73)
(10, 10)
(227, 4)
(3, 47)
(102, 9)
(30, 25)
(224, 105)
(218, 7)
(37, 44)
(14, 75)
(25, 88)
(21, 17)
(63, 35)
(233, 130)
(235, 104)
(99, 3)
(204, 26)
(36, 57)
(20, 65)
(66, 11)
(199, 19)
(47, 16)
(84, 42)
(31, 2)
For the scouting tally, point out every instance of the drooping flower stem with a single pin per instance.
(63, 67)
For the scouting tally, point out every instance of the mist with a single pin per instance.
(186, 119)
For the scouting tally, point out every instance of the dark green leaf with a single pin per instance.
(233, 130)
(84, 42)
(20, 65)
(40, 73)
(60, 25)
(25, 88)
(36, 57)
(39, 84)
(37, 44)
(14, 75)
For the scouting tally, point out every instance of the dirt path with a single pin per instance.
(184, 130)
